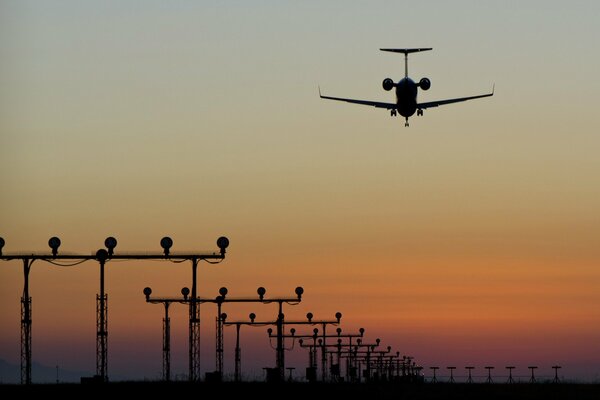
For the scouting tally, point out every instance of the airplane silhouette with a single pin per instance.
(406, 92)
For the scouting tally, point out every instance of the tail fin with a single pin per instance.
(406, 52)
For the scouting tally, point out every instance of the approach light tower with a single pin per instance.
(103, 256)
(28, 259)
(261, 291)
(166, 302)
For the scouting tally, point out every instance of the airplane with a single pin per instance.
(406, 92)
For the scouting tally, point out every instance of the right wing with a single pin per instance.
(389, 106)
(450, 101)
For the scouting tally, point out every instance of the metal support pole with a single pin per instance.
(26, 326)
(238, 356)
(166, 344)
(470, 378)
(324, 356)
(101, 327)
(194, 332)
(280, 361)
(219, 342)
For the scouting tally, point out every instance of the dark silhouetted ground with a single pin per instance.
(309, 391)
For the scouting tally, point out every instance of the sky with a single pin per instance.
(469, 238)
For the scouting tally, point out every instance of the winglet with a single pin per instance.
(320, 91)
(493, 88)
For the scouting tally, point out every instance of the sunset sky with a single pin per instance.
(471, 237)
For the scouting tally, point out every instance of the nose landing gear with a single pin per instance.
(406, 123)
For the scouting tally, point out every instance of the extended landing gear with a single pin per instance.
(419, 112)
(406, 123)
(393, 113)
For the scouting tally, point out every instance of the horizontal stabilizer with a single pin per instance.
(407, 51)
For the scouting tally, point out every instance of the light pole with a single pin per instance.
(103, 256)
(470, 378)
(556, 368)
(309, 316)
(532, 379)
(510, 377)
(166, 364)
(261, 291)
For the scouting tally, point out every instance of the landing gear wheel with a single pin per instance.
(406, 123)
(393, 113)
(419, 112)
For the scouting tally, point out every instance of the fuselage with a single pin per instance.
(406, 97)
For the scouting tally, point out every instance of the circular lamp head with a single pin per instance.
(185, 292)
(102, 255)
(222, 243)
(377, 341)
(361, 331)
(54, 244)
(309, 316)
(389, 348)
(339, 331)
(299, 292)
(223, 291)
(316, 330)
(166, 243)
(110, 244)
(147, 291)
(252, 317)
(293, 331)
(338, 315)
(261, 292)
(223, 316)
(300, 341)
(269, 331)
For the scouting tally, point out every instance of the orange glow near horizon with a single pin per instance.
(471, 236)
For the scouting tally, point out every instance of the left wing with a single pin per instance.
(389, 106)
(449, 101)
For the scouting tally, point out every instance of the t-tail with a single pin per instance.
(406, 52)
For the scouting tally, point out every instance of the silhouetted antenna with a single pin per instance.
(434, 369)
(451, 374)
(556, 368)
(510, 377)
(489, 377)
(532, 379)
(470, 378)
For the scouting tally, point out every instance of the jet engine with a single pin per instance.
(388, 84)
(425, 83)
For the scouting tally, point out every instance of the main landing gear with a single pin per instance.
(393, 113)
(419, 112)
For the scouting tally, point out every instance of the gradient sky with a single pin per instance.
(469, 238)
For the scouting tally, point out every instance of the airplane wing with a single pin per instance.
(449, 101)
(377, 104)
